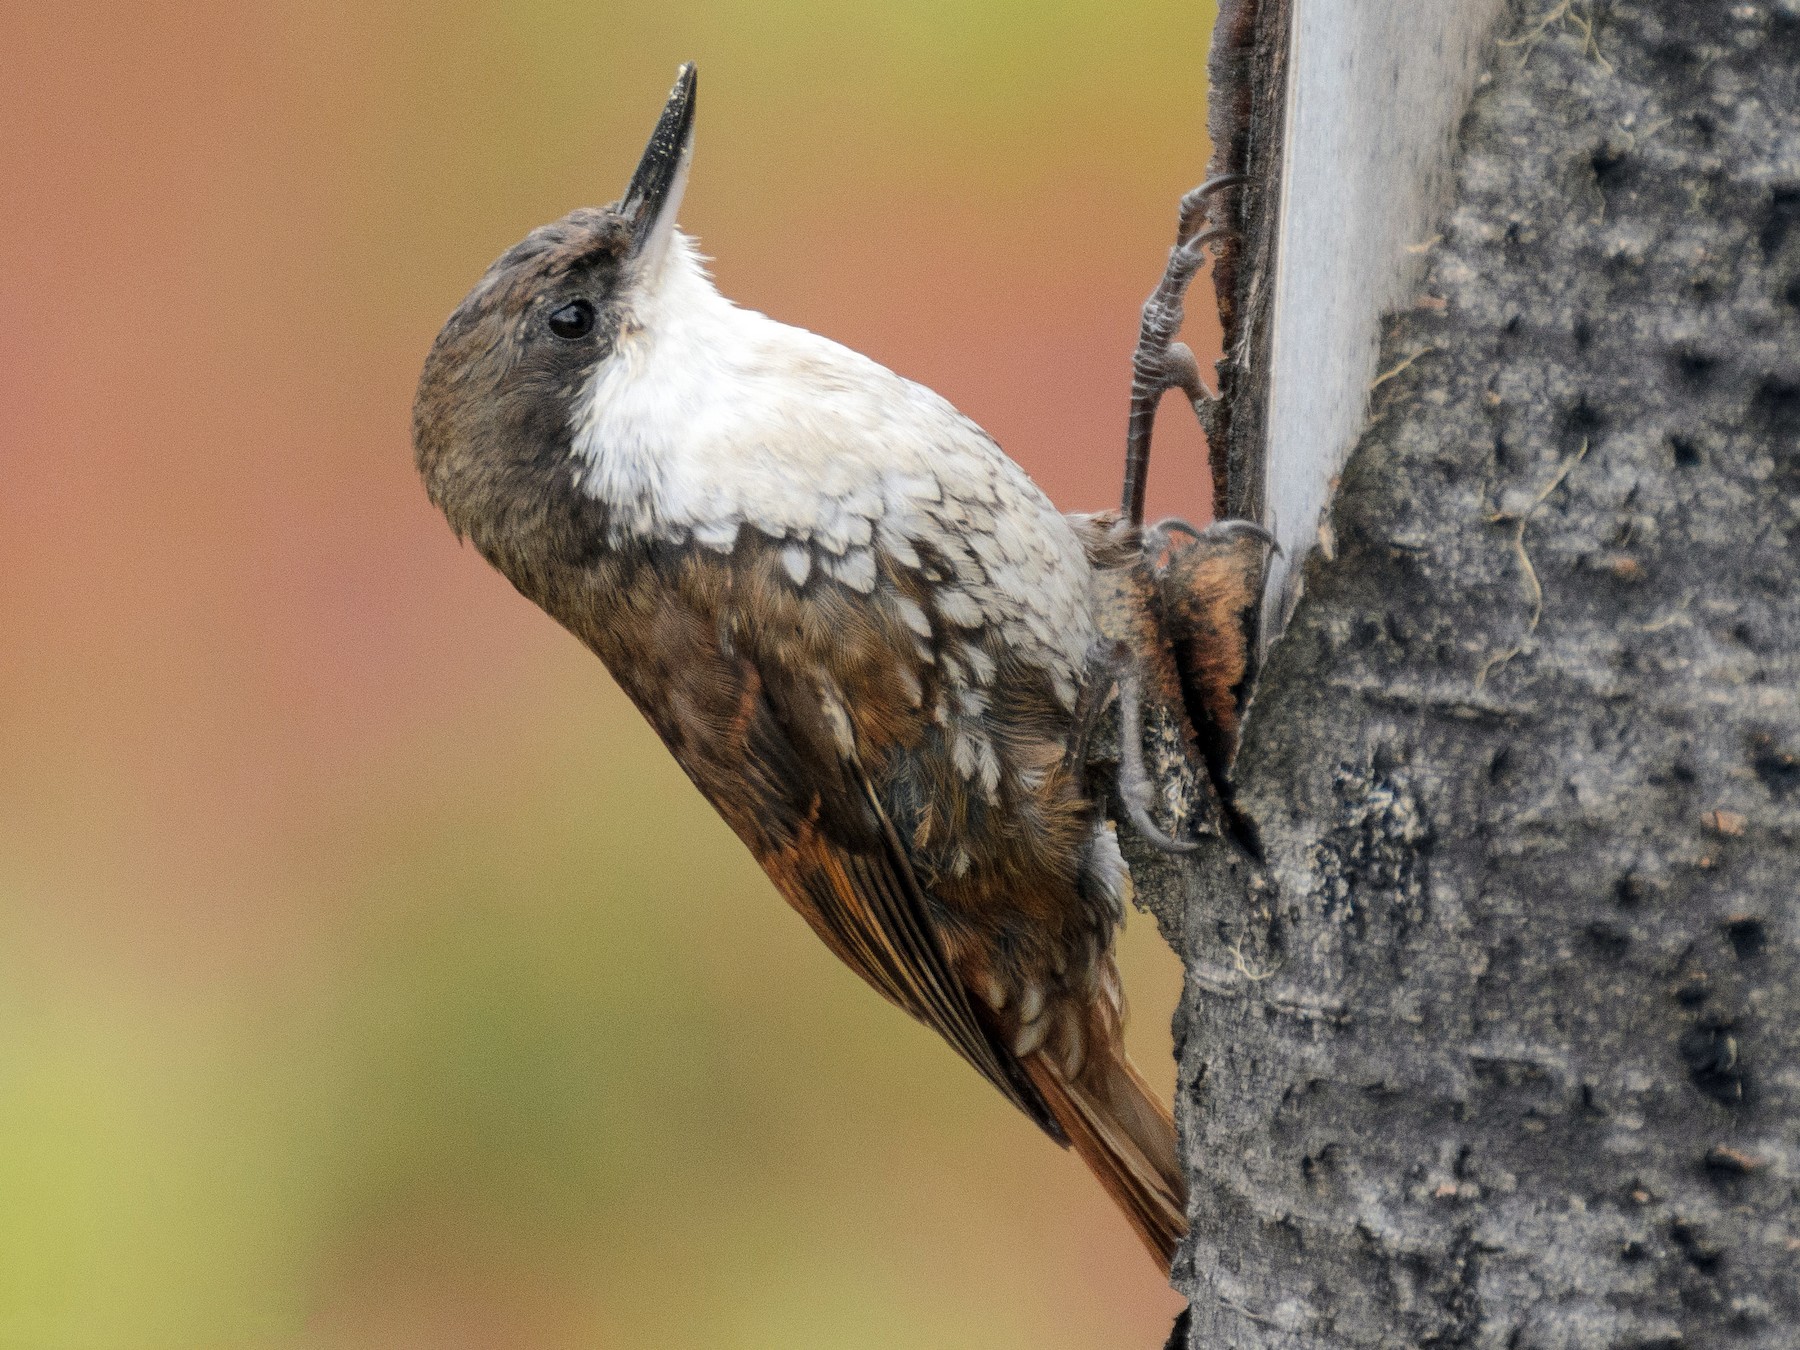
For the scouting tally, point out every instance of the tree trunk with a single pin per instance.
(1496, 1046)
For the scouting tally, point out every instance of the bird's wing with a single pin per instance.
(763, 728)
(842, 863)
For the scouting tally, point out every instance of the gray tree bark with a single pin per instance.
(1496, 1045)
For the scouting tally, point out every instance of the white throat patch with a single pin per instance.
(707, 418)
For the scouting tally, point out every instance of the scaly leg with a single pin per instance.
(1134, 780)
(1109, 665)
(1160, 363)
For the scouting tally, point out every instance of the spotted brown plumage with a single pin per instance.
(859, 627)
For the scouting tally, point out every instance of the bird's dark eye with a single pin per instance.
(574, 320)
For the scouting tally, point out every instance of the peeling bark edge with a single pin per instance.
(1246, 112)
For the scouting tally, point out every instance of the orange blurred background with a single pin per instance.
(369, 976)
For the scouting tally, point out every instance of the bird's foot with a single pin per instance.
(1134, 780)
(1160, 363)
(1110, 666)
(1157, 537)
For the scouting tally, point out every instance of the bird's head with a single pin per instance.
(495, 407)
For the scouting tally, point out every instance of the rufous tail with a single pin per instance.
(1126, 1136)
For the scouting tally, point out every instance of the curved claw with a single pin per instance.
(1176, 525)
(1192, 200)
(1237, 525)
(1156, 537)
(1141, 822)
(1160, 363)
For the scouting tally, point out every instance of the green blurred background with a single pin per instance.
(369, 976)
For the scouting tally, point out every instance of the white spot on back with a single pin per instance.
(988, 985)
(1109, 879)
(913, 616)
(962, 754)
(899, 547)
(988, 769)
(958, 608)
(855, 569)
(980, 664)
(838, 720)
(716, 534)
(1030, 1036)
(909, 685)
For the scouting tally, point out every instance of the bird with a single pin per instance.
(860, 628)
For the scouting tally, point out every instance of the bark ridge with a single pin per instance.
(1498, 1046)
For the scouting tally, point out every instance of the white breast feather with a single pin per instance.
(708, 418)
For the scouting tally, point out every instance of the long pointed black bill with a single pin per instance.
(656, 187)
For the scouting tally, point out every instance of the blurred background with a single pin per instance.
(369, 976)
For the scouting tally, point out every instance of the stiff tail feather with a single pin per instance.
(1127, 1138)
